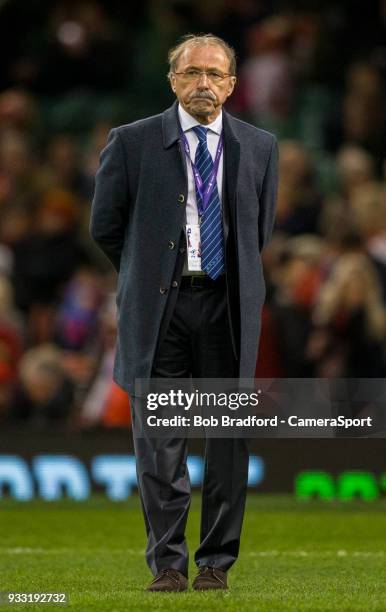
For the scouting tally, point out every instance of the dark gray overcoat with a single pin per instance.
(138, 213)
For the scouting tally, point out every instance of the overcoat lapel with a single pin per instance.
(171, 130)
(231, 162)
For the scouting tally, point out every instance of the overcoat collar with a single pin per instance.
(171, 126)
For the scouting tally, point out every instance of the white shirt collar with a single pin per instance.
(188, 122)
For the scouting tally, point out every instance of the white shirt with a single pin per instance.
(213, 136)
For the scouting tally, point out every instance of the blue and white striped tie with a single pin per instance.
(212, 238)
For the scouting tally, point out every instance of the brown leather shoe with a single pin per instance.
(210, 578)
(168, 580)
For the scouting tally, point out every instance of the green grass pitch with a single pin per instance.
(296, 556)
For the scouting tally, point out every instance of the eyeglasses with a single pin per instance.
(194, 75)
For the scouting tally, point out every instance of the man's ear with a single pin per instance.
(172, 81)
(232, 83)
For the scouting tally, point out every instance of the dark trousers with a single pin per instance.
(195, 341)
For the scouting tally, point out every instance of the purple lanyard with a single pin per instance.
(204, 194)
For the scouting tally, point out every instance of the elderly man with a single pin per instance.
(184, 203)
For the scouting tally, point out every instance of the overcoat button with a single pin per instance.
(182, 250)
(174, 284)
(171, 244)
(163, 290)
(181, 198)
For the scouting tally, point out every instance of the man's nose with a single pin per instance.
(203, 80)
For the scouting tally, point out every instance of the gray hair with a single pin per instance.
(198, 40)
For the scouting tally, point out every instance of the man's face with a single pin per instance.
(202, 97)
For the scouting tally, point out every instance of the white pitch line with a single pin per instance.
(324, 553)
(22, 550)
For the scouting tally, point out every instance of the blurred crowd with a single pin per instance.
(313, 74)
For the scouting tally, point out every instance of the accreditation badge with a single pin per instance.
(193, 241)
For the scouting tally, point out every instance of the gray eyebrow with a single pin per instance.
(197, 68)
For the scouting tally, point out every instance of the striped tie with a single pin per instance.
(212, 239)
